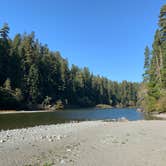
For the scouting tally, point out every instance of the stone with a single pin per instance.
(43, 137)
(62, 162)
(50, 140)
(123, 119)
(68, 150)
(59, 137)
(1, 141)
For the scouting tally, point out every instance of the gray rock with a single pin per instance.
(42, 137)
(123, 119)
(50, 140)
(68, 150)
(58, 137)
(2, 140)
(62, 162)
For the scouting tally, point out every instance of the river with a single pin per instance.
(21, 120)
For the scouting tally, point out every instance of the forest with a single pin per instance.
(152, 92)
(32, 75)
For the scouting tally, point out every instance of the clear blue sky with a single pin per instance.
(108, 36)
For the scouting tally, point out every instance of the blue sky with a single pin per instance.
(108, 36)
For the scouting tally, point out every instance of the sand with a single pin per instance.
(162, 115)
(96, 143)
(18, 112)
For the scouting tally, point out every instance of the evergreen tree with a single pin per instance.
(4, 31)
(146, 64)
(156, 84)
(7, 84)
(162, 22)
(33, 84)
(4, 53)
(36, 72)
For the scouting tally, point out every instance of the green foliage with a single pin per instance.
(46, 102)
(162, 22)
(85, 102)
(18, 94)
(151, 103)
(4, 31)
(33, 83)
(161, 103)
(146, 64)
(58, 106)
(7, 84)
(30, 72)
(4, 53)
(48, 164)
(155, 71)
(8, 99)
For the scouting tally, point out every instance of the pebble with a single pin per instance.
(68, 150)
(123, 119)
(58, 137)
(43, 137)
(50, 140)
(1, 141)
(62, 162)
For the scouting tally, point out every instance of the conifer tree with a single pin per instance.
(36, 72)
(146, 64)
(4, 31)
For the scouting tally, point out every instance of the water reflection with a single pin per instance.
(11, 121)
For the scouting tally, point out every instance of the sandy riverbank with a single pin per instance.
(26, 112)
(162, 115)
(139, 143)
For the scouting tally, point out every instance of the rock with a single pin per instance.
(42, 137)
(1, 141)
(58, 137)
(140, 110)
(62, 162)
(113, 120)
(123, 142)
(68, 150)
(123, 119)
(50, 140)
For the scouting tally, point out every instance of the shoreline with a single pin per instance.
(36, 111)
(17, 112)
(86, 143)
(160, 115)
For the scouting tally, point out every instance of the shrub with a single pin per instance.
(58, 105)
(46, 102)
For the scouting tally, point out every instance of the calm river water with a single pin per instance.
(20, 120)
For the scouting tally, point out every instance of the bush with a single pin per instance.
(85, 102)
(46, 102)
(8, 99)
(58, 106)
(151, 104)
(161, 103)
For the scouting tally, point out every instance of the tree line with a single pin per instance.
(152, 92)
(32, 74)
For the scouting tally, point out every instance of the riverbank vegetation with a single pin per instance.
(32, 76)
(152, 92)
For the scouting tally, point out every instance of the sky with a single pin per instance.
(107, 36)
